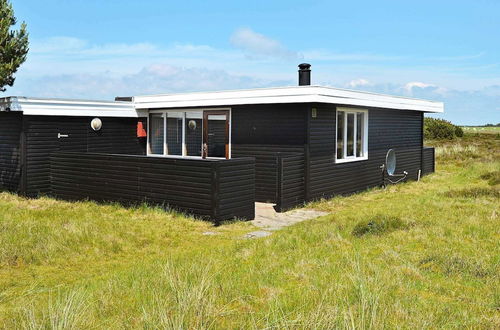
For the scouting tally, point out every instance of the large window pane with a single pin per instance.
(350, 134)
(359, 134)
(340, 134)
(174, 133)
(194, 133)
(156, 133)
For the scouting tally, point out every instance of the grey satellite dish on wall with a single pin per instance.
(389, 168)
(390, 161)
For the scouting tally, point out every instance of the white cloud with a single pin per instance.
(71, 67)
(258, 44)
(358, 82)
(464, 107)
(414, 86)
(56, 44)
(152, 79)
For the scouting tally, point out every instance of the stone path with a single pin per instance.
(267, 219)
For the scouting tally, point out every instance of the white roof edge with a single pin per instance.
(295, 94)
(69, 107)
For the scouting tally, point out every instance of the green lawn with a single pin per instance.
(416, 255)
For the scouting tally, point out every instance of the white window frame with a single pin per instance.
(184, 150)
(364, 135)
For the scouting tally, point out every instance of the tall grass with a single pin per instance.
(64, 311)
(415, 255)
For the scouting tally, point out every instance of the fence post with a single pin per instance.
(215, 192)
(279, 199)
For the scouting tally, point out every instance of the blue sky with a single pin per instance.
(440, 50)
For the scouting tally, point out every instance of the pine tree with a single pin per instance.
(13, 45)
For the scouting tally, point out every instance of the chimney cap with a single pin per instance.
(304, 66)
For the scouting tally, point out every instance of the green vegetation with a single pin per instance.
(432, 261)
(13, 45)
(482, 129)
(441, 129)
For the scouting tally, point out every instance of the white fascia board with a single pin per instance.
(297, 94)
(61, 107)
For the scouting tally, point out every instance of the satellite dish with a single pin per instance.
(390, 161)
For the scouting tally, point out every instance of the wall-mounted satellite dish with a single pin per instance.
(390, 162)
(389, 167)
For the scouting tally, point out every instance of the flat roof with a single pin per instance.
(295, 94)
(278, 95)
(69, 107)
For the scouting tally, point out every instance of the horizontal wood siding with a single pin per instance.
(399, 130)
(217, 190)
(262, 131)
(291, 192)
(118, 136)
(428, 160)
(236, 189)
(10, 151)
(266, 167)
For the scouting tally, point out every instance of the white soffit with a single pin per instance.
(295, 94)
(63, 107)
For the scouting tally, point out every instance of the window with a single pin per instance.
(352, 135)
(156, 133)
(181, 133)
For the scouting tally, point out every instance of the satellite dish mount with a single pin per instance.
(389, 169)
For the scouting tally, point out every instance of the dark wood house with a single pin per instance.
(212, 154)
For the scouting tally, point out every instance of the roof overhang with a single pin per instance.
(295, 94)
(64, 107)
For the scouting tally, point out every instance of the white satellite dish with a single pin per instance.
(390, 162)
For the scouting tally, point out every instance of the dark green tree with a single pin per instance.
(13, 45)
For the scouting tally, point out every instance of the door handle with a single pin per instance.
(59, 135)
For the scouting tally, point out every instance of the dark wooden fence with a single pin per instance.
(266, 166)
(428, 160)
(211, 189)
(291, 184)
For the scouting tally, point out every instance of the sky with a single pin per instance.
(97, 49)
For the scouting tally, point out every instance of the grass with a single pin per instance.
(481, 129)
(415, 255)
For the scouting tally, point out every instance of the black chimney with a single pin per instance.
(304, 74)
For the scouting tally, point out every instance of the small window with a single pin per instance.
(340, 134)
(194, 133)
(156, 133)
(352, 135)
(174, 133)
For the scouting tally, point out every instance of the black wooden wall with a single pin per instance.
(263, 131)
(396, 129)
(211, 189)
(10, 150)
(117, 136)
(428, 160)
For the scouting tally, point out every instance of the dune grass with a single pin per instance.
(416, 255)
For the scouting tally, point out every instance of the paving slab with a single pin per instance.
(268, 219)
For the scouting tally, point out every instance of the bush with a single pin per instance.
(441, 129)
(378, 225)
(459, 132)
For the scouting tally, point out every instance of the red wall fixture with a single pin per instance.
(141, 131)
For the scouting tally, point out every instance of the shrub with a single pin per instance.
(475, 192)
(459, 132)
(378, 225)
(441, 129)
